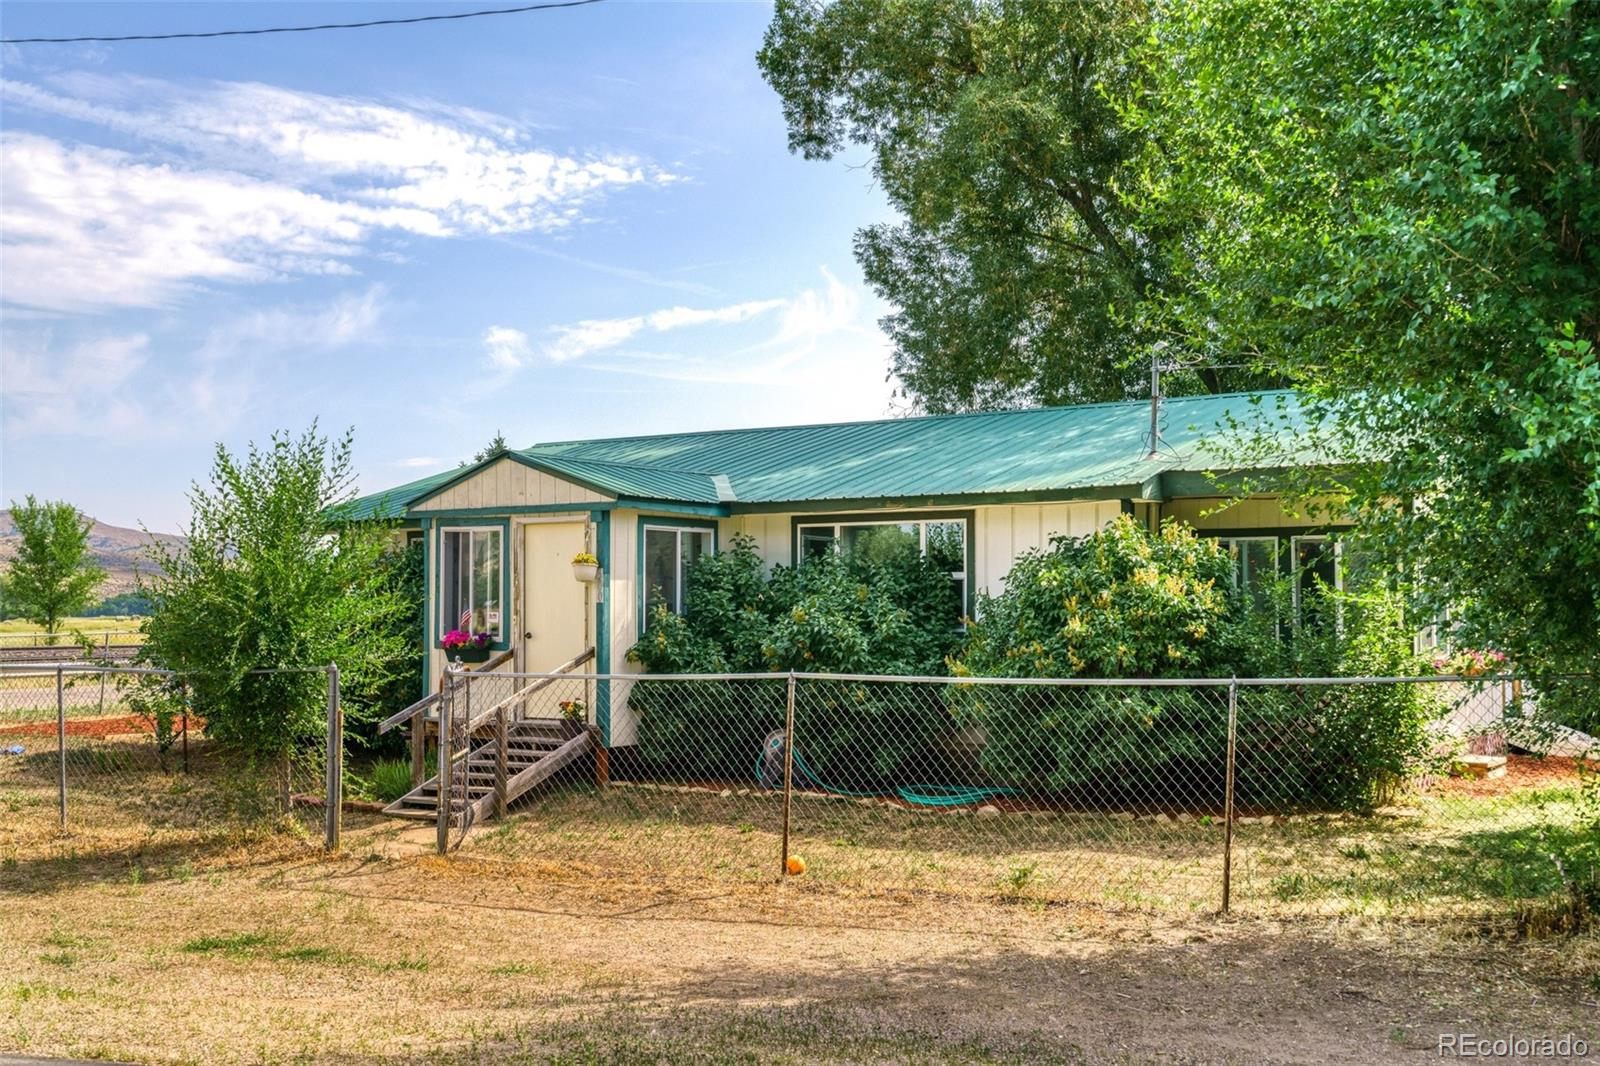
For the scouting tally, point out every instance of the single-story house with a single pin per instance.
(500, 535)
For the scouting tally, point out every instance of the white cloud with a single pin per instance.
(505, 347)
(98, 387)
(802, 321)
(247, 182)
(593, 335)
(64, 391)
(419, 461)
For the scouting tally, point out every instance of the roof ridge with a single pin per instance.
(534, 454)
(950, 415)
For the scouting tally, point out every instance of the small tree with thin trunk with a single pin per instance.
(266, 580)
(52, 576)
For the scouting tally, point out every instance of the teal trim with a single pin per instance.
(504, 525)
(670, 523)
(900, 504)
(706, 510)
(515, 457)
(602, 624)
(427, 607)
(969, 517)
(515, 509)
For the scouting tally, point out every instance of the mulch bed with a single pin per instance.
(1522, 772)
(91, 727)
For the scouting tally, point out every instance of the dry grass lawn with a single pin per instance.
(168, 926)
(251, 948)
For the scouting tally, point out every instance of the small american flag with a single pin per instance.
(466, 618)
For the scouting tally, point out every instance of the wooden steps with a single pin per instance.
(535, 749)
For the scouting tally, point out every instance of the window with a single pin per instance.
(944, 541)
(1255, 565)
(669, 551)
(469, 581)
(1317, 569)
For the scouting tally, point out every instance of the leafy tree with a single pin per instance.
(494, 449)
(52, 576)
(1396, 205)
(992, 127)
(405, 577)
(262, 582)
(123, 603)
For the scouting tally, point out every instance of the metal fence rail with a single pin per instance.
(1418, 797)
(117, 751)
(1297, 795)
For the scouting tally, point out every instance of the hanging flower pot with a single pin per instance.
(585, 567)
(466, 646)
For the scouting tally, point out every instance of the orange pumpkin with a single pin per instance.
(796, 866)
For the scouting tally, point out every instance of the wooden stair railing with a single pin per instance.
(525, 752)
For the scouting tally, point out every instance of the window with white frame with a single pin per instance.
(942, 540)
(1255, 565)
(669, 551)
(470, 589)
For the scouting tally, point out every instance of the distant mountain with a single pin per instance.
(120, 551)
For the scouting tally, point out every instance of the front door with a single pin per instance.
(553, 607)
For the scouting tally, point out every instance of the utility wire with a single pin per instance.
(298, 29)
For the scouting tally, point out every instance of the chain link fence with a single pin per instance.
(1412, 797)
(116, 758)
(1397, 796)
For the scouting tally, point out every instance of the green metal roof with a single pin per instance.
(1038, 450)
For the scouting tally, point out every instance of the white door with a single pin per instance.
(554, 628)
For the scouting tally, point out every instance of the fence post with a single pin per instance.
(61, 746)
(442, 794)
(183, 711)
(788, 773)
(333, 794)
(1227, 795)
(501, 738)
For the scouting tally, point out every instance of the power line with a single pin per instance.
(298, 29)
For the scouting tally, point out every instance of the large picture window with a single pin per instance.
(470, 565)
(942, 540)
(669, 551)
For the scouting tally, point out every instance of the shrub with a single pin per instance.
(1121, 602)
(391, 779)
(261, 582)
(890, 612)
(1126, 603)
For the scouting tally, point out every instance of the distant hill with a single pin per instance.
(120, 551)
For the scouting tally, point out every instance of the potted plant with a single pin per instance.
(585, 567)
(573, 716)
(467, 646)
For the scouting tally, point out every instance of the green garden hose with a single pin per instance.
(917, 795)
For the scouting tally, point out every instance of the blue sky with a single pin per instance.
(564, 224)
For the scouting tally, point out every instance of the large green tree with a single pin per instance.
(1395, 203)
(53, 575)
(994, 129)
(262, 583)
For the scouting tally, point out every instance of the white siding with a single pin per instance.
(508, 484)
(771, 533)
(623, 619)
(1003, 533)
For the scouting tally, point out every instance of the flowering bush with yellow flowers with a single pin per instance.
(1122, 602)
